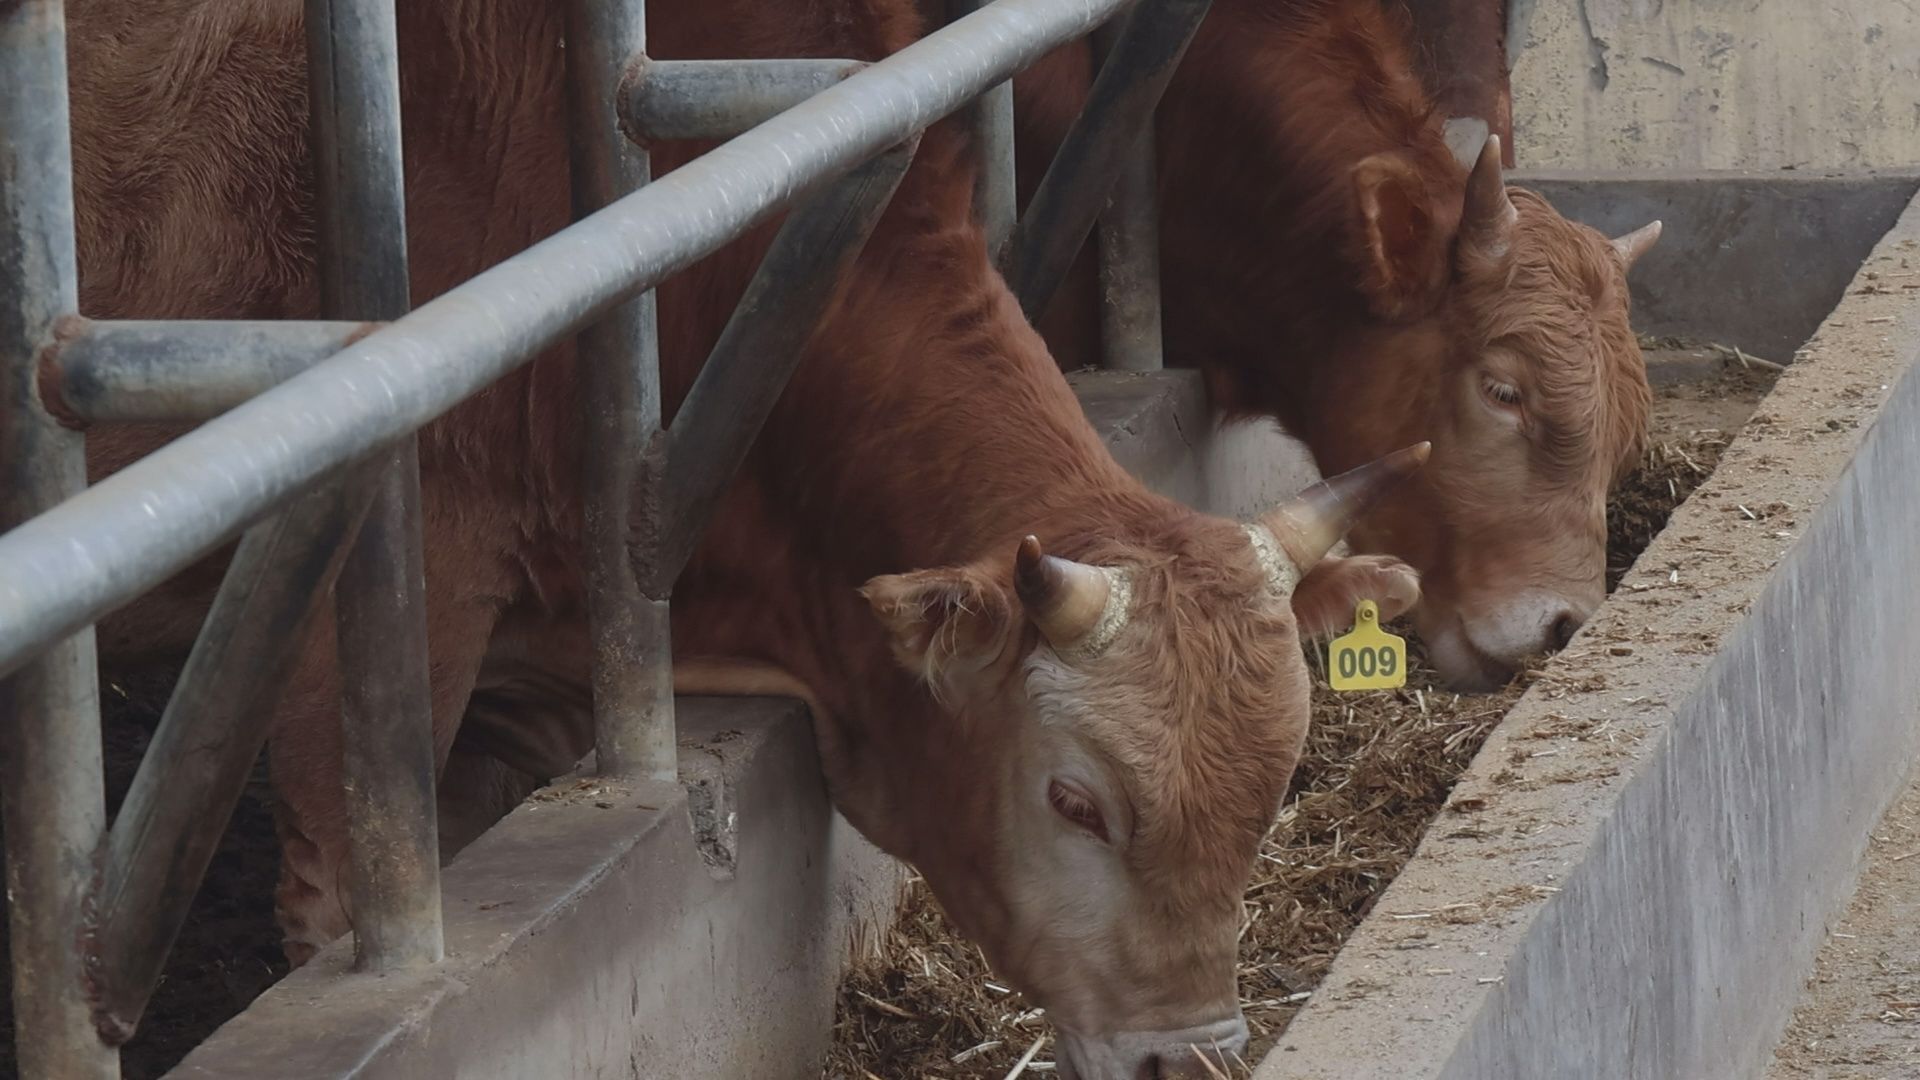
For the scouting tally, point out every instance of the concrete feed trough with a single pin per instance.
(1632, 877)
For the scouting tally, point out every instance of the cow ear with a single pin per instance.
(943, 623)
(1402, 241)
(1324, 600)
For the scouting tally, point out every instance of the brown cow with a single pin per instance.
(1080, 750)
(1328, 262)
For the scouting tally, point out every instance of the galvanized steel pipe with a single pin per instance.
(717, 99)
(386, 706)
(618, 369)
(1144, 53)
(50, 781)
(180, 369)
(101, 548)
(1127, 241)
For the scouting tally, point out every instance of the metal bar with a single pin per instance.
(184, 371)
(1119, 107)
(990, 119)
(196, 767)
(51, 792)
(717, 99)
(759, 349)
(619, 377)
(386, 705)
(1127, 239)
(131, 531)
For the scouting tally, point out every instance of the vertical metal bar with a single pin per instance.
(51, 792)
(991, 119)
(1145, 52)
(1127, 238)
(197, 765)
(757, 352)
(386, 702)
(619, 382)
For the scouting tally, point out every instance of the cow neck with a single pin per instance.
(1275, 107)
(929, 426)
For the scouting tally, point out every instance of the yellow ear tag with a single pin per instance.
(1367, 657)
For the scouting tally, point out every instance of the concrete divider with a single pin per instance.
(1754, 259)
(611, 930)
(1632, 877)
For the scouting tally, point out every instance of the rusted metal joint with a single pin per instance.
(626, 97)
(50, 377)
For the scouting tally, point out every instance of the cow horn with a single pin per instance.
(1486, 225)
(1307, 526)
(1072, 603)
(1464, 135)
(1635, 244)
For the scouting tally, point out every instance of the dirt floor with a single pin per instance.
(1377, 768)
(1860, 1016)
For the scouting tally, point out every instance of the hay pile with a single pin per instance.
(1377, 768)
(1673, 467)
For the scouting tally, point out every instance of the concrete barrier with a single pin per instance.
(1753, 259)
(1632, 878)
(611, 930)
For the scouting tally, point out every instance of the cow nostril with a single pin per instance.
(1563, 629)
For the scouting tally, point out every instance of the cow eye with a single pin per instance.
(1071, 802)
(1501, 393)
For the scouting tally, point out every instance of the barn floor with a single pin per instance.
(1859, 1018)
(1377, 768)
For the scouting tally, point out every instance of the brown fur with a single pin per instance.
(1310, 212)
(927, 426)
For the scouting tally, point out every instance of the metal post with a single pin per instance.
(179, 370)
(386, 704)
(1127, 239)
(619, 379)
(196, 767)
(761, 345)
(1145, 52)
(76, 561)
(990, 118)
(50, 782)
(717, 99)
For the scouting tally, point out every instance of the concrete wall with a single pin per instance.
(1748, 259)
(1715, 84)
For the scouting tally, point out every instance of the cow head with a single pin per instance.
(1115, 734)
(1498, 329)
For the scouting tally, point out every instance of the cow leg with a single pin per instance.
(467, 580)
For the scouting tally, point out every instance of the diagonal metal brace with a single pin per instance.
(757, 352)
(209, 737)
(1118, 112)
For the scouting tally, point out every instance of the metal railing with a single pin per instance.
(307, 447)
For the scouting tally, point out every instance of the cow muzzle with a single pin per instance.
(1154, 1055)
